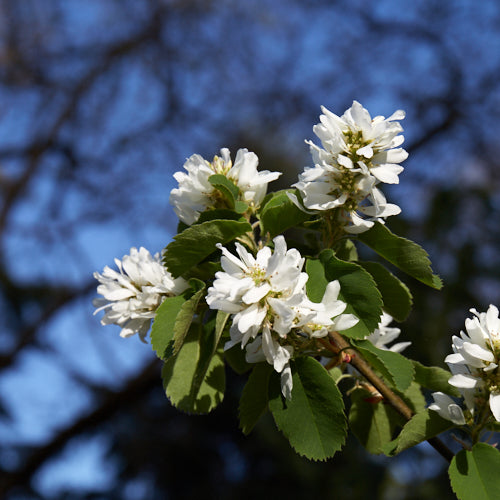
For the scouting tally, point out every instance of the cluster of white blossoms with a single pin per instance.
(385, 334)
(132, 294)
(266, 296)
(195, 194)
(358, 153)
(474, 365)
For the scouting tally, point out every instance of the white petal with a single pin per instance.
(387, 172)
(463, 381)
(495, 405)
(478, 352)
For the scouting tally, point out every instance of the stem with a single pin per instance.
(339, 344)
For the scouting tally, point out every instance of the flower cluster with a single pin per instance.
(474, 365)
(358, 153)
(195, 194)
(271, 313)
(132, 295)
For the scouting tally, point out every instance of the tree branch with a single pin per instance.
(341, 345)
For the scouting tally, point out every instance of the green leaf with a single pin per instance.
(395, 294)
(394, 367)
(235, 357)
(162, 332)
(404, 254)
(198, 241)
(220, 324)
(194, 380)
(434, 379)
(358, 290)
(240, 207)
(317, 282)
(254, 398)
(204, 271)
(313, 421)
(218, 214)
(372, 422)
(280, 214)
(228, 189)
(474, 474)
(346, 250)
(184, 319)
(423, 426)
(413, 397)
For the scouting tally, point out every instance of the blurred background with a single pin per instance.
(101, 102)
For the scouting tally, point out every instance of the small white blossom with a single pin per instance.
(132, 295)
(355, 139)
(260, 292)
(358, 154)
(316, 319)
(195, 194)
(384, 334)
(447, 408)
(475, 359)
(267, 299)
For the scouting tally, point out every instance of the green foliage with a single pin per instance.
(184, 319)
(235, 358)
(279, 213)
(254, 398)
(194, 380)
(372, 422)
(434, 379)
(394, 367)
(346, 250)
(404, 254)
(226, 187)
(313, 421)
(163, 330)
(424, 425)
(396, 296)
(218, 214)
(358, 290)
(229, 191)
(474, 474)
(413, 397)
(198, 241)
(317, 282)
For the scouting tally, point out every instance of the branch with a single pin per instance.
(341, 345)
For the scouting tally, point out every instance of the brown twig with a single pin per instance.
(339, 344)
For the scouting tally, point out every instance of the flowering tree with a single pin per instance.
(272, 285)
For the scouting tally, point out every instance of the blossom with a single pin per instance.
(195, 194)
(384, 334)
(447, 408)
(260, 292)
(358, 153)
(270, 310)
(132, 294)
(355, 139)
(316, 319)
(476, 356)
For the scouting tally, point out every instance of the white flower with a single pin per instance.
(385, 334)
(358, 154)
(447, 408)
(475, 359)
(261, 293)
(195, 194)
(355, 139)
(318, 318)
(132, 295)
